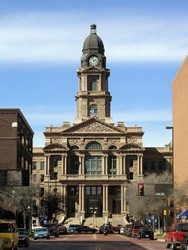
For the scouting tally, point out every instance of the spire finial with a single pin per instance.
(93, 28)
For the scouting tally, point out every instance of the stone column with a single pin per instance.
(82, 164)
(141, 164)
(47, 165)
(81, 202)
(63, 165)
(120, 164)
(123, 199)
(64, 198)
(65, 161)
(138, 165)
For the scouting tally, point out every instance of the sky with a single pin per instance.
(145, 41)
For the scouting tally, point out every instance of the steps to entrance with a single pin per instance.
(96, 222)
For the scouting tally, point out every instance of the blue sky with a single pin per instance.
(41, 41)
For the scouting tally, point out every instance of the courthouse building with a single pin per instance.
(90, 163)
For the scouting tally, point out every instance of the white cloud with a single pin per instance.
(57, 37)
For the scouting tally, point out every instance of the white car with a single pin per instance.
(121, 230)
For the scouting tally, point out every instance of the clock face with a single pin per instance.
(93, 60)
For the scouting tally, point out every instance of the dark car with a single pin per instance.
(23, 237)
(145, 232)
(128, 229)
(71, 228)
(85, 229)
(107, 227)
(53, 229)
(135, 229)
(184, 243)
(41, 233)
(62, 229)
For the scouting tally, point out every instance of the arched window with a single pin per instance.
(74, 148)
(93, 111)
(112, 147)
(93, 145)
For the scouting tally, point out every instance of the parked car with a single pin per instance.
(23, 237)
(134, 230)
(9, 234)
(121, 230)
(144, 232)
(107, 227)
(184, 243)
(53, 229)
(62, 229)
(128, 229)
(71, 228)
(42, 233)
(85, 229)
(176, 234)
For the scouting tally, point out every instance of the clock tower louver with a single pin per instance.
(93, 98)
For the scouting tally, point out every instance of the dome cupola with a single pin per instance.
(93, 42)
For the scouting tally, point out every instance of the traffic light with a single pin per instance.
(141, 189)
(170, 202)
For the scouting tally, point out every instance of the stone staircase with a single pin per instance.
(96, 222)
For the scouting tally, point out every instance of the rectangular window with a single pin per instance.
(42, 165)
(161, 165)
(93, 166)
(41, 192)
(145, 167)
(153, 165)
(131, 175)
(34, 165)
(112, 166)
(93, 190)
(42, 178)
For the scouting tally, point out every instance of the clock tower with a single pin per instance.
(93, 98)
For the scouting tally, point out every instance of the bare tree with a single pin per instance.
(151, 202)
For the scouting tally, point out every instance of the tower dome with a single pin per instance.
(93, 42)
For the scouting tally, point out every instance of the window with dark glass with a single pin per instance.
(74, 166)
(34, 165)
(93, 190)
(153, 165)
(42, 178)
(42, 165)
(74, 190)
(41, 192)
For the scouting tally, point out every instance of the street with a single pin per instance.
(94, 242)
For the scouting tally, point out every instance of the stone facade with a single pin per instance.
(90, 163)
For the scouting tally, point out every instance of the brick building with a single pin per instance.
(16, 147)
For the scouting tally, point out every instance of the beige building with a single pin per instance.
(180, 127)
(90, 163)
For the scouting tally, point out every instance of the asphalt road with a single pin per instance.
(94, 242)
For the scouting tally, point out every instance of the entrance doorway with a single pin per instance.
(93, 207)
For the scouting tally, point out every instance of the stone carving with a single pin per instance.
(96, 128)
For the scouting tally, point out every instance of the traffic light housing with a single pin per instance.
(170, 202)
(141, 189)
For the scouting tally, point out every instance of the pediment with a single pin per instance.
(55, 147)
(94, 126)
(131, 146)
